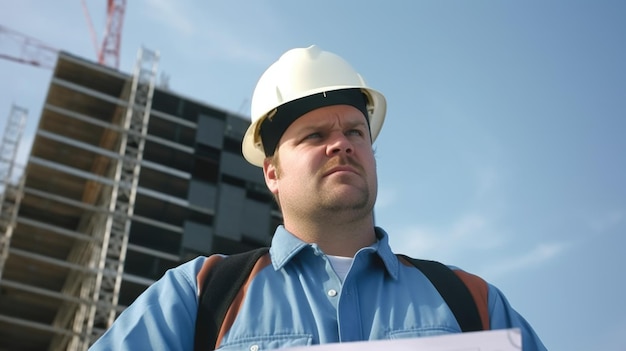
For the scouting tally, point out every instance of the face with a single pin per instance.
(324, 164)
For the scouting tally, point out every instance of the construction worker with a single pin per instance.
(330, 275)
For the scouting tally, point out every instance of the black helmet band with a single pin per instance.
(275, 125)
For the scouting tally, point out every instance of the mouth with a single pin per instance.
(341, 169)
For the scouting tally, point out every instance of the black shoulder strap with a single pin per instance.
(225, 280)
(454, 292)
(213, 305)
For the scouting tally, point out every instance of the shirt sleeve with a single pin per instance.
(503, 316)
(163, 317)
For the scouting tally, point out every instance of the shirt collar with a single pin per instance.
(286, 245)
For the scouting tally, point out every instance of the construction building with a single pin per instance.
(124, 181)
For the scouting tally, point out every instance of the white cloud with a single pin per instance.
(172, 15)
(473, 241)
(606, 221)
(538, 255)
(471, 233)
(205, 29)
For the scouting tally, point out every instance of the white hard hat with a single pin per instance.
(299, 73)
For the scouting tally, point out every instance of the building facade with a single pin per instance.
(106, 208)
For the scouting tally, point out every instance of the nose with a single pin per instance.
(337, 144)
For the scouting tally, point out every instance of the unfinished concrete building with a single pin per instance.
(125, 180)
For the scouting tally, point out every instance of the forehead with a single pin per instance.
(329, 115)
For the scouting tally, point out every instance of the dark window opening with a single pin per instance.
(232, 145)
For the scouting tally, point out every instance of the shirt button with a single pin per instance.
(254, 348)
(332, 292)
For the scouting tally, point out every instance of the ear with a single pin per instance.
(271, 176)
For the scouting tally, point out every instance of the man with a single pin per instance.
(330, 275)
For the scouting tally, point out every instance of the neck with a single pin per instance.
(335, 238)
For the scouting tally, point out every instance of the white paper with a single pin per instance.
(492, 340)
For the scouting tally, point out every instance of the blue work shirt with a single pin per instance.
(295, 298)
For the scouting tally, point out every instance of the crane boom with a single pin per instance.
(24, 49)
(28, 50)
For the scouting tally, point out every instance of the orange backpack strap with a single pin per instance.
(220, 282)
(480, 292)
(465, 294)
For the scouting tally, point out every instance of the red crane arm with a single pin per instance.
(110, 51)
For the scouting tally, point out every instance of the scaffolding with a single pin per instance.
(71, 245)
(109, 228)
(10, 188)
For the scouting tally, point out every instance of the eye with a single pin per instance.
(354, 132)
(315, 135)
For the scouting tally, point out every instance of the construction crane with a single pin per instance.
(108, 52)
(22, 48)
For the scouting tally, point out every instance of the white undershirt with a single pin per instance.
(341, 265)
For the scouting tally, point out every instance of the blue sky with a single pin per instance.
(503, 148)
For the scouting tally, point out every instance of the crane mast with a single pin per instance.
(110, 52)
(10, 191)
